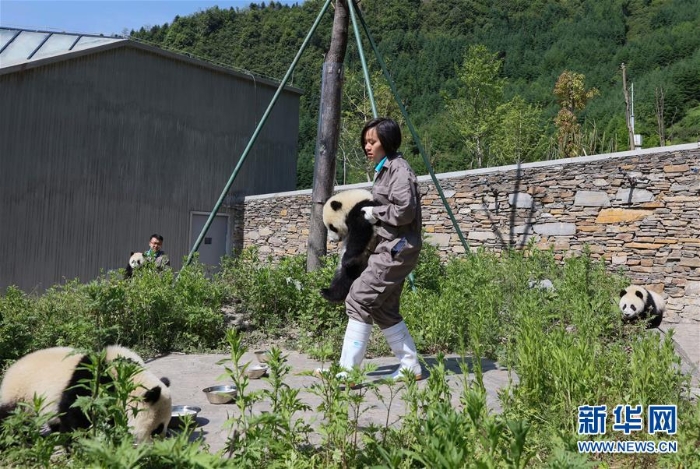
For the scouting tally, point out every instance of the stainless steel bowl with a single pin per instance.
(222, 394)
(179, 412)
(263, 356)
(256, 371)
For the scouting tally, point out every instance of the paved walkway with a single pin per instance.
(686, 338)
(189, 374)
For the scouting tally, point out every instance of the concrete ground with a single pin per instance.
(686, 338)
(190, 374)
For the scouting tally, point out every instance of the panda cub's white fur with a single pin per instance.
(639, 303)
(136, 260)
(344, 219)
(53, 374)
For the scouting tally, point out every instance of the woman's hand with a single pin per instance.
(367, 211)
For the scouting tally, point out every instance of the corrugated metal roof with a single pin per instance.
(18, 46)
(21, 49)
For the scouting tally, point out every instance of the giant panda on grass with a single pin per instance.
(638, 303)
(54, 373)
(345, 221)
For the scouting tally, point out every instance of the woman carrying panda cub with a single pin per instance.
(375, 296)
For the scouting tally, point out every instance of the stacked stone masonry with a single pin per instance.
(639, 211)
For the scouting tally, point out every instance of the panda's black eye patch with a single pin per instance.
(634, 308)
(335, 205)
(332, 228)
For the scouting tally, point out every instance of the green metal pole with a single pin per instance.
(360, 50)
(413, 132)
(255, 135)
(370, 94)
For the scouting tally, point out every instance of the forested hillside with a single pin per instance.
(485, 82)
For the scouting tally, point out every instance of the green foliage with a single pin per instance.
(425, 44)
(276, 296)
(22, 443)
(16, 326)
(566, 347)
(150, 311)
(474, 111)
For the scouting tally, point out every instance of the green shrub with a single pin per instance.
(567, 346)
(17, 324)
(277, 296)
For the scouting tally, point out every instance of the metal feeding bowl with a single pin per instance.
(256, 371)
(179, 412)
(263, 356)
(222, 394)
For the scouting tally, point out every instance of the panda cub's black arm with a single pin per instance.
(360, 231)
(354, 261)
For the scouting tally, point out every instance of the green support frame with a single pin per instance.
(355, 14)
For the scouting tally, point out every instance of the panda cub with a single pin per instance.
(136, 260)
(639, 303)
(345, 221)
(54, 372)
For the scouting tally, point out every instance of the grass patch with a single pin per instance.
(555, 324)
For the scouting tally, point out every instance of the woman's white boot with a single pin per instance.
(355, 344)
(401, 343)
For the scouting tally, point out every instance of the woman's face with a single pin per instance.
(373, 147)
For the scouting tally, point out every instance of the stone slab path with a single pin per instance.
(190, 374)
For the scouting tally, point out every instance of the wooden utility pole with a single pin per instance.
(327, 134)
(628, 111)
(659, 108)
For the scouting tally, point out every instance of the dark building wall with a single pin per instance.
(98, 152)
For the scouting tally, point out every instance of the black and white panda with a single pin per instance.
(136, 260)
(639, 303)
(54, 372)
(345, 221)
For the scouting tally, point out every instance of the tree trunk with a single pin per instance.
(628, 112)
(327, 134)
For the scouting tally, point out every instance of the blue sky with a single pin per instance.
(103, 16)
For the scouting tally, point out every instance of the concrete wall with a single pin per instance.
(637, 210)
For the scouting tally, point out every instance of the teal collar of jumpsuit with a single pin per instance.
(380, 165)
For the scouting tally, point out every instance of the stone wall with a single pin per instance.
(639, 210)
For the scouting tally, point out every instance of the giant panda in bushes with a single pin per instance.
(54, 372)
(136, 260)
(638, 303)
(345, 222)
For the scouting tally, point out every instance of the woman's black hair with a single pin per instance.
(388, 133)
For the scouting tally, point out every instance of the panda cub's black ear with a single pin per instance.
(623, 293)
(165, 381)
(639, 294)
(132, 253)
(152, 395)
(335, 205)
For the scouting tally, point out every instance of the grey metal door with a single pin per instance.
(214, 243)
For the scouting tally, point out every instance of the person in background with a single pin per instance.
(155, 252)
